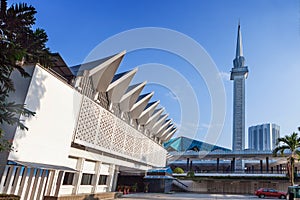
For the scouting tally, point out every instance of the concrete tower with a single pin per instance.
(239, 73)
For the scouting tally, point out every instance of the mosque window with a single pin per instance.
(102, 180)
(86, 179)
(68, 178)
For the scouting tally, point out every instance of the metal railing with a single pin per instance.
(180, 184)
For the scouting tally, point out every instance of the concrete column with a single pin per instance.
(218, 163)
(261, 166)
(28, 187)
(42, 184)
(277, 166)
(110, 179)
(267, 164)
(187, 164)
(233, 162)
(16, 179)
(49, 183)
(59, 182)
(248, 169)
(198, 169)
(4, 155)
(78, 176)
(96, 177)
(8, 179)
(233, 165)
(115, 179)
(3, 177)
(35, 183)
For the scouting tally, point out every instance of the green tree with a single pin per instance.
(178, 170)
(19, 44)
(288, 146)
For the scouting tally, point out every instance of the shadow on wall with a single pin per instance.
(91, 197)
(35, 93)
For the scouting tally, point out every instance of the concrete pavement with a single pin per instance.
(184, 196)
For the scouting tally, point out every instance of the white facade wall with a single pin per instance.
(51, 133)
(263, 137)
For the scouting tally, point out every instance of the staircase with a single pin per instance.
(179, 186)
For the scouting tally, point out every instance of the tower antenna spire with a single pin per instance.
(239, 44)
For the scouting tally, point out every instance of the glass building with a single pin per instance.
(263, 137)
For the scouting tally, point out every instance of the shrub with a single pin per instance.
(178, 170)
(9, 197)
(190, 174)
(134, 187)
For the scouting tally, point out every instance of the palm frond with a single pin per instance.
(21, 14)
(280, 149)
(18, 42)
(3, 7)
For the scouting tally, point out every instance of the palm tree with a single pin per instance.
(19, 43)
(288, 146)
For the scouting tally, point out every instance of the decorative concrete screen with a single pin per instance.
(99, 129)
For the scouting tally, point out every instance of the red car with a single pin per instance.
(268, 192)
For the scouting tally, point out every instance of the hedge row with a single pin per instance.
(9, 197)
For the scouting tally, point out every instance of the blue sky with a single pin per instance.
(271, 40)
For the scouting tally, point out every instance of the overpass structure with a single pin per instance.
(255, 162)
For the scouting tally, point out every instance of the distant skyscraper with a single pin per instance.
(239, 73)
(263, 137)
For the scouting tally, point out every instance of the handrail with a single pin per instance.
(181, 182)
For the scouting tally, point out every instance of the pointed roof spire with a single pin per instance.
(239, 45)
(239, 69)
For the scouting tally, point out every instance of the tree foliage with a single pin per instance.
(289, 146)
(178, 170)
(19, 44)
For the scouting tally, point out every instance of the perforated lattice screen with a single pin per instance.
(100, 129)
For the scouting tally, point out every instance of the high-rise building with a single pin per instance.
(239, 73)
(263, 137)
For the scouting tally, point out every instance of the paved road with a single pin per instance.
(184, 196)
